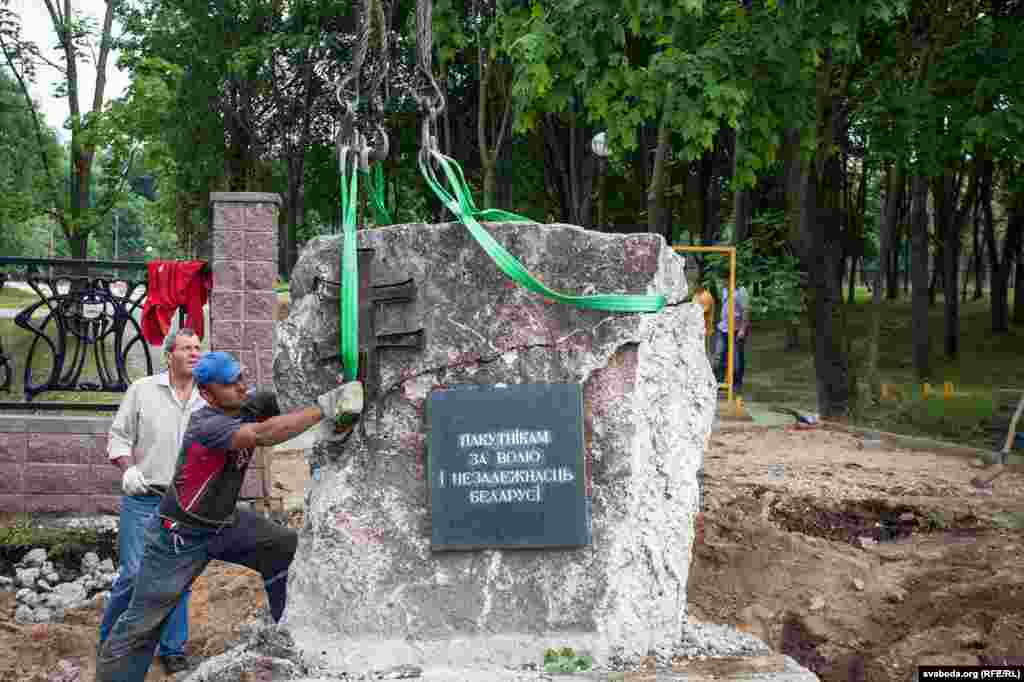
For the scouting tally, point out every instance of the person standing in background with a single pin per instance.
(741, 327)
(706, 301)
(144, 442)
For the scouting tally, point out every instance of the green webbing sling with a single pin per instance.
(375, 187)
(462, 206)
(349, 293)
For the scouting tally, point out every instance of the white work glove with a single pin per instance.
(345, 401)
(133, 482)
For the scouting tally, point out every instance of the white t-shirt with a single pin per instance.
(742, 301)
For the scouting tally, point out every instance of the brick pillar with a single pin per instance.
(244, 269)
(242, 301)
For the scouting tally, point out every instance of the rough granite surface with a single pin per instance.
(366, 591)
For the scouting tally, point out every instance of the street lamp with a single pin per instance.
(599, 145)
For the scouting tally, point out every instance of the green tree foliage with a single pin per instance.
(70, 197)
(22, 175)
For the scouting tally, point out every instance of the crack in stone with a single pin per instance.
(483, 360)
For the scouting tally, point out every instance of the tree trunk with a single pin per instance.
(999, 267)
(1015, 251)
(979, 266)
(892, 264)
(821, 211)
(792, 343)
(851, 297)
(742, 198)
(893, 202)
(919, 274)
(1018, 287)
(489, 166)
(944, 191)
(572, 169)
(656, 194)
(937, 269)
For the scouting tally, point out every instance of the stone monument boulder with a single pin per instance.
(366, 589)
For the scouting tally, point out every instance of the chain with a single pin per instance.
(370, 59)
(427, 92)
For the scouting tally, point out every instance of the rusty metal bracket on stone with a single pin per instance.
(371, 339)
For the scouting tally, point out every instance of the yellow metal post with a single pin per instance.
(732, 323)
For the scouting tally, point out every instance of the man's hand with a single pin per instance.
(346, 399)
(133, 482)
(342, 405)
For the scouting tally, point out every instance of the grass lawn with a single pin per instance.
(16, 298)
(985, 362)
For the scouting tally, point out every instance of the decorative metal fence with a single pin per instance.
(84, 309)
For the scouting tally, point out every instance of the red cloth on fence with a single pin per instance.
(174, 284)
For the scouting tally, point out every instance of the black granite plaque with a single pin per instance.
(506, 467)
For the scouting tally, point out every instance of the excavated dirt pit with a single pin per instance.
(804, 547)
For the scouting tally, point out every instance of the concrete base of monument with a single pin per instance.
(506, 651)
(268, 653)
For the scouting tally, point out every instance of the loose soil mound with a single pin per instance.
(861, 564)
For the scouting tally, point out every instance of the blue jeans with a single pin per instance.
(135, 511)
(738, 362)
(171, 561)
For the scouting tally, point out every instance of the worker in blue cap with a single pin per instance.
(197, 520)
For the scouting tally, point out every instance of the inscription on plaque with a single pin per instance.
(506, 467)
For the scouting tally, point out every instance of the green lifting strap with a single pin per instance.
(349, 294)
(375, 187)
(462, 206)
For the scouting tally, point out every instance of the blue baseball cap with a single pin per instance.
(216, 368)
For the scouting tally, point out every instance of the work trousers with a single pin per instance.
(171, 561)
(135, 511)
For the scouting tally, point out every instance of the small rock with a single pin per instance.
(817, 603)
(24, 615)
(90, 561)
(906, 517)
(35, 557)
(858, 584)
(107, 566)
(47, 567)
(68, 670)
(42, 615)
(866, 541)
(51, 601)
(896, 596)
(6, 583)
(43, 586)
(27, 577)
(70, 593)
(52, 577)
(23, 594)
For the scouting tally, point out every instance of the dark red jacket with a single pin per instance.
(174, 284)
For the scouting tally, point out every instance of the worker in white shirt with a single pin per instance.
(144, 443)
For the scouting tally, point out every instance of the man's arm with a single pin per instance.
(276, 429)
(744, 329)
(123, 431)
